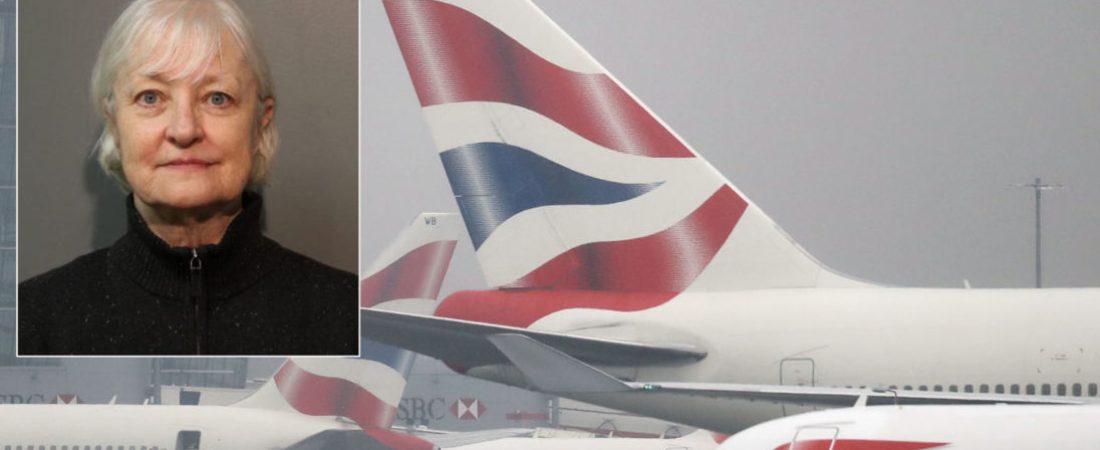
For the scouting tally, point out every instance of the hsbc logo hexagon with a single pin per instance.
(67, 399)
(468, 408)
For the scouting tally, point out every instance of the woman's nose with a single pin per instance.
(185, 129)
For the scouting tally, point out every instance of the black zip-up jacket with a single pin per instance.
(247, 295)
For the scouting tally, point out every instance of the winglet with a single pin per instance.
(550, 370)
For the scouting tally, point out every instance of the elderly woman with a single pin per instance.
(187, 103)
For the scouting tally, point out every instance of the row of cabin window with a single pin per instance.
(1062, 389)
(78, 447)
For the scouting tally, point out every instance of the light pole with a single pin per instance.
(1039, 187)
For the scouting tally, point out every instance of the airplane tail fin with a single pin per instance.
(565, 180)
(406, 277)
(366, 392)
(408, 273)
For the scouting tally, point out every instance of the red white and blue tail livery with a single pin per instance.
(612, 243)
(565, 180)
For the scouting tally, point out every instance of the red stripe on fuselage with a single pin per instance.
(629, 275)
(318, 395)
(455, 56)
(417, 274)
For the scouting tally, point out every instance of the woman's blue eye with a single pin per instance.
(148, 97)
(219, 99)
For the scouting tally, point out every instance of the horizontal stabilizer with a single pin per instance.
(551, 370)
(465, 344)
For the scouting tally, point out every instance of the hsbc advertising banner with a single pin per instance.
(457, 403)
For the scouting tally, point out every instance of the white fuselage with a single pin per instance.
(691, 442)
(958, 427)
(73, 427)
(1007, 340)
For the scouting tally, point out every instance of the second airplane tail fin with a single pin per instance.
(411, 269)
(565, 180)
(406, 277)
(366, 392)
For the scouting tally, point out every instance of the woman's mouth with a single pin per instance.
(187, 164)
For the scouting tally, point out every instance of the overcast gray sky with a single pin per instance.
(882, 136)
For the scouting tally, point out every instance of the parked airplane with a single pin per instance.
(962, 427)
(606, 237)
(406, 277)
(300, 408)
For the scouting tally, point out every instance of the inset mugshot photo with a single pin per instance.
(188, 178)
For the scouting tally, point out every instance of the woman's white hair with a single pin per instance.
(183, 36)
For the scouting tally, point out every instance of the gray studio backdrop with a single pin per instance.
(68, 207)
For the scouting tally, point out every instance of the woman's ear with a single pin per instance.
(268, 105)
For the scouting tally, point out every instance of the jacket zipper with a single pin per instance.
(199, 299)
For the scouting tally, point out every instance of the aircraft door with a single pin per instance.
(188, 440)
(796, 372)
(814, 437)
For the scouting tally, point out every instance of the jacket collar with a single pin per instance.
(242, 258)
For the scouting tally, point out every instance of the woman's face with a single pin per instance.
(187, 143)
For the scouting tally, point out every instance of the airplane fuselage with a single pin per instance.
(1011, 341)
(120, 427)
(685, 443)
(933, 427)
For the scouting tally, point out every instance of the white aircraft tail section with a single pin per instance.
(407, 275)
(366, 392)
(565, 180)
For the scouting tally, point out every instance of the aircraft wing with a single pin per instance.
(717, 407)
(465, 343)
